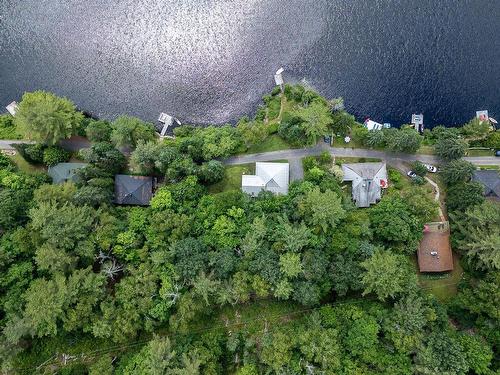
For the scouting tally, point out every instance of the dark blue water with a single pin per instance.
(211, 61)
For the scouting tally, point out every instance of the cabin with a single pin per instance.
(273, 177)
(63, 172)
(368, 180)
(133, 190)
(434, 251)
(490, 179)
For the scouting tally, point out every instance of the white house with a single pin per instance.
(372, 125)
(272, 177)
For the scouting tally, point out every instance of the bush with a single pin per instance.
(54, 155)
(419, 168)
(493, 140)
(325, 158)
(98, 131)
(272, 128)
(5, 162)
(34, 153)
(7, 128)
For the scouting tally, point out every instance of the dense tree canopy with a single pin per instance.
(44, 117)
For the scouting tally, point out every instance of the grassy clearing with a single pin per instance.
(232, 178)
(425, 150)
(443, 285)
(479, 152)
(342, 160)
(24, 166)
(489, 167)
(272, 143)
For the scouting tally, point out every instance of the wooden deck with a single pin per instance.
(436, 240)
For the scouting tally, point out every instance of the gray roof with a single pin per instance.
(63, 172)
(490, 180)
(367, 181)
(134, 190)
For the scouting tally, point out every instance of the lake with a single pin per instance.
(207, 61)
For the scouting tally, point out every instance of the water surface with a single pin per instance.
(208, 61)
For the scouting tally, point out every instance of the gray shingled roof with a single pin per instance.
(490, 181)
(64, 171)
(133, 190)
(366, 181)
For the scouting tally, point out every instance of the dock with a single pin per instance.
(166, 120)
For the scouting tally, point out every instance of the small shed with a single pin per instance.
(133, 190)
(63, 172)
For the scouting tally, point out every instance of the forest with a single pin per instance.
(204, 282)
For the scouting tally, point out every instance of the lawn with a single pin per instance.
(479, 152)
(426, 150)
(232, 178)
(24, 166)
(345, 159)
(443, 285)
(272, 143)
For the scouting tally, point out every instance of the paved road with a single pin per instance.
(6, 144)
(390, 158)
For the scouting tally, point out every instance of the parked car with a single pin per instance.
(430, 168)
(411, 174)
(497, 153)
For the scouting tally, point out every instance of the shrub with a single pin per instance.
(54, 155)
(272, 128)
(325, 158)
(98, 131)
(5, 162)
(419, 168)
(493, 140)
(7, 128)
(34, 153)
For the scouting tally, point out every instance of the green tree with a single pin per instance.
(476, 129)
(211, 172)
(406, 323)
(53, 155)
(493, 140)
(464, 195)
(98, 131)
(128, 130)
(403, 140)
(44, 117)
(162, 200)
(419, 168)
(156, 358)
(105, 157)
(323, 210)
(457, 171)
(145, 155)
(388, 275)
(392, 220)
(290, 265)
(375, 138)
(102, 366)
(477, 234)
(14, 205)
(316, 118)
(478, 353)
(450, 147)
(442, 354)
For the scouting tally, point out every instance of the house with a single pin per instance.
(372, 125)
(63, 172)
(434, 251)
(272, 177)
(368, 180)
(490, 179)
(133, 190)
